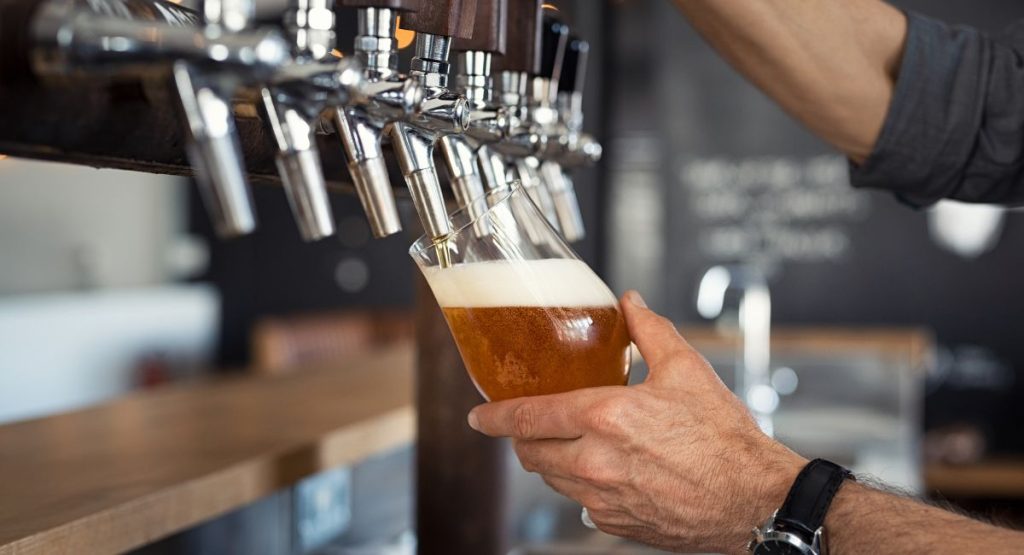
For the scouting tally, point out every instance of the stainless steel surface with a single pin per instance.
(375, 43)
(231, 16)
(423, 185)
(493, 169)
(473, 76)
(430, 62)
(310, 25)
(298, 163)
(71, 38)
(752, 380)
(563, 198)
(215, 153)
(373, 186)
(527, 171)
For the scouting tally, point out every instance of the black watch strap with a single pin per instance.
(804, 510)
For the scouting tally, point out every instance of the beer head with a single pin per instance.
(534, 283)
(533, 327)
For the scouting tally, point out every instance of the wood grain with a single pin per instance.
(522, 52)
(450, 18)
(123, 474)
(994, 479)
(489, 28)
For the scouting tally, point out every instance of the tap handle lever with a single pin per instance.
(490, 29)
(522, 49)
(553, 37)
(574, 66)
(447, 18)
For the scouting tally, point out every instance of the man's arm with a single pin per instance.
(678, 463)
(831, 64)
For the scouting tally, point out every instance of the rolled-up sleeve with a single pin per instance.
(955, 127)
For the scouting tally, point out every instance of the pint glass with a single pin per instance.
(529, 317)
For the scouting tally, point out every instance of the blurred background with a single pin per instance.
(896, 332)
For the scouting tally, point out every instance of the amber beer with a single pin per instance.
(533, 327)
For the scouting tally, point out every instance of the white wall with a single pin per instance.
(88, 260)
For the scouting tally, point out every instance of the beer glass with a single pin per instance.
(529, 317)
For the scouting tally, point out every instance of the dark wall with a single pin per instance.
(735, 180)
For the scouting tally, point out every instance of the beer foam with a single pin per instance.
(552, 282)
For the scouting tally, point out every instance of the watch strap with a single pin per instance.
(808, 501)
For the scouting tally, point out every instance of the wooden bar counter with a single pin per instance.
(123, 474)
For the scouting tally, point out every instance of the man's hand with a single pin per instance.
(676, 462)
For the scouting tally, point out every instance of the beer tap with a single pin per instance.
(441, 112)
(209, 55)
(468, 157)
(515, 69)
(293, 102)
(214, 149)
(567, 145)
(388, 96)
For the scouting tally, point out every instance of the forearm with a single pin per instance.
(867, 520)
(832, 64)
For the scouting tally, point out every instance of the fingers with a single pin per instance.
(543, 417)
(548, 457)
(654, 335)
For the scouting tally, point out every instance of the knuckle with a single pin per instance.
(610, 414)
(524, 420)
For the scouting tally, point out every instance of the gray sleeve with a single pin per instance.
(955, 128)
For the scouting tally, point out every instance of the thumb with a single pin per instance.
(656, 336)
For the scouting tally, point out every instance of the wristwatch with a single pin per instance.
(797, 528)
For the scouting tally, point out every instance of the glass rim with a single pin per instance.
(424, 243)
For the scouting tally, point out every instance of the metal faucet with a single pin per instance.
(209, 55)
(293, 102)
(214, 149)
(753, 381)
(472, 165)
(441, 112)
(568, 146)
(389, 96)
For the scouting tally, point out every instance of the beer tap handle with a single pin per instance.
(554, 36)
(446, 18)
(490, 29)
(522, 52)
(574, 66)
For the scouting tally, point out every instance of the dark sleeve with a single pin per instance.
(955, 128)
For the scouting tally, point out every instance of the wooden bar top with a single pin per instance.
(986, 479)
(123, 474)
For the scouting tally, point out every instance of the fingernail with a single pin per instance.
(473, 422)
(636, 299)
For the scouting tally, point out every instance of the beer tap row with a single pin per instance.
(511, 112)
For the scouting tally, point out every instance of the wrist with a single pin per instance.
(767, 485)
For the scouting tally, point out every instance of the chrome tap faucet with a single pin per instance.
(292, 103)
(441, 112)
(568, 146)
(209, 55)
(389, 96)
(752, 373)
(215, 149)
(472, 164)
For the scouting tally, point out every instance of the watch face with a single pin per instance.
(779, 547)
